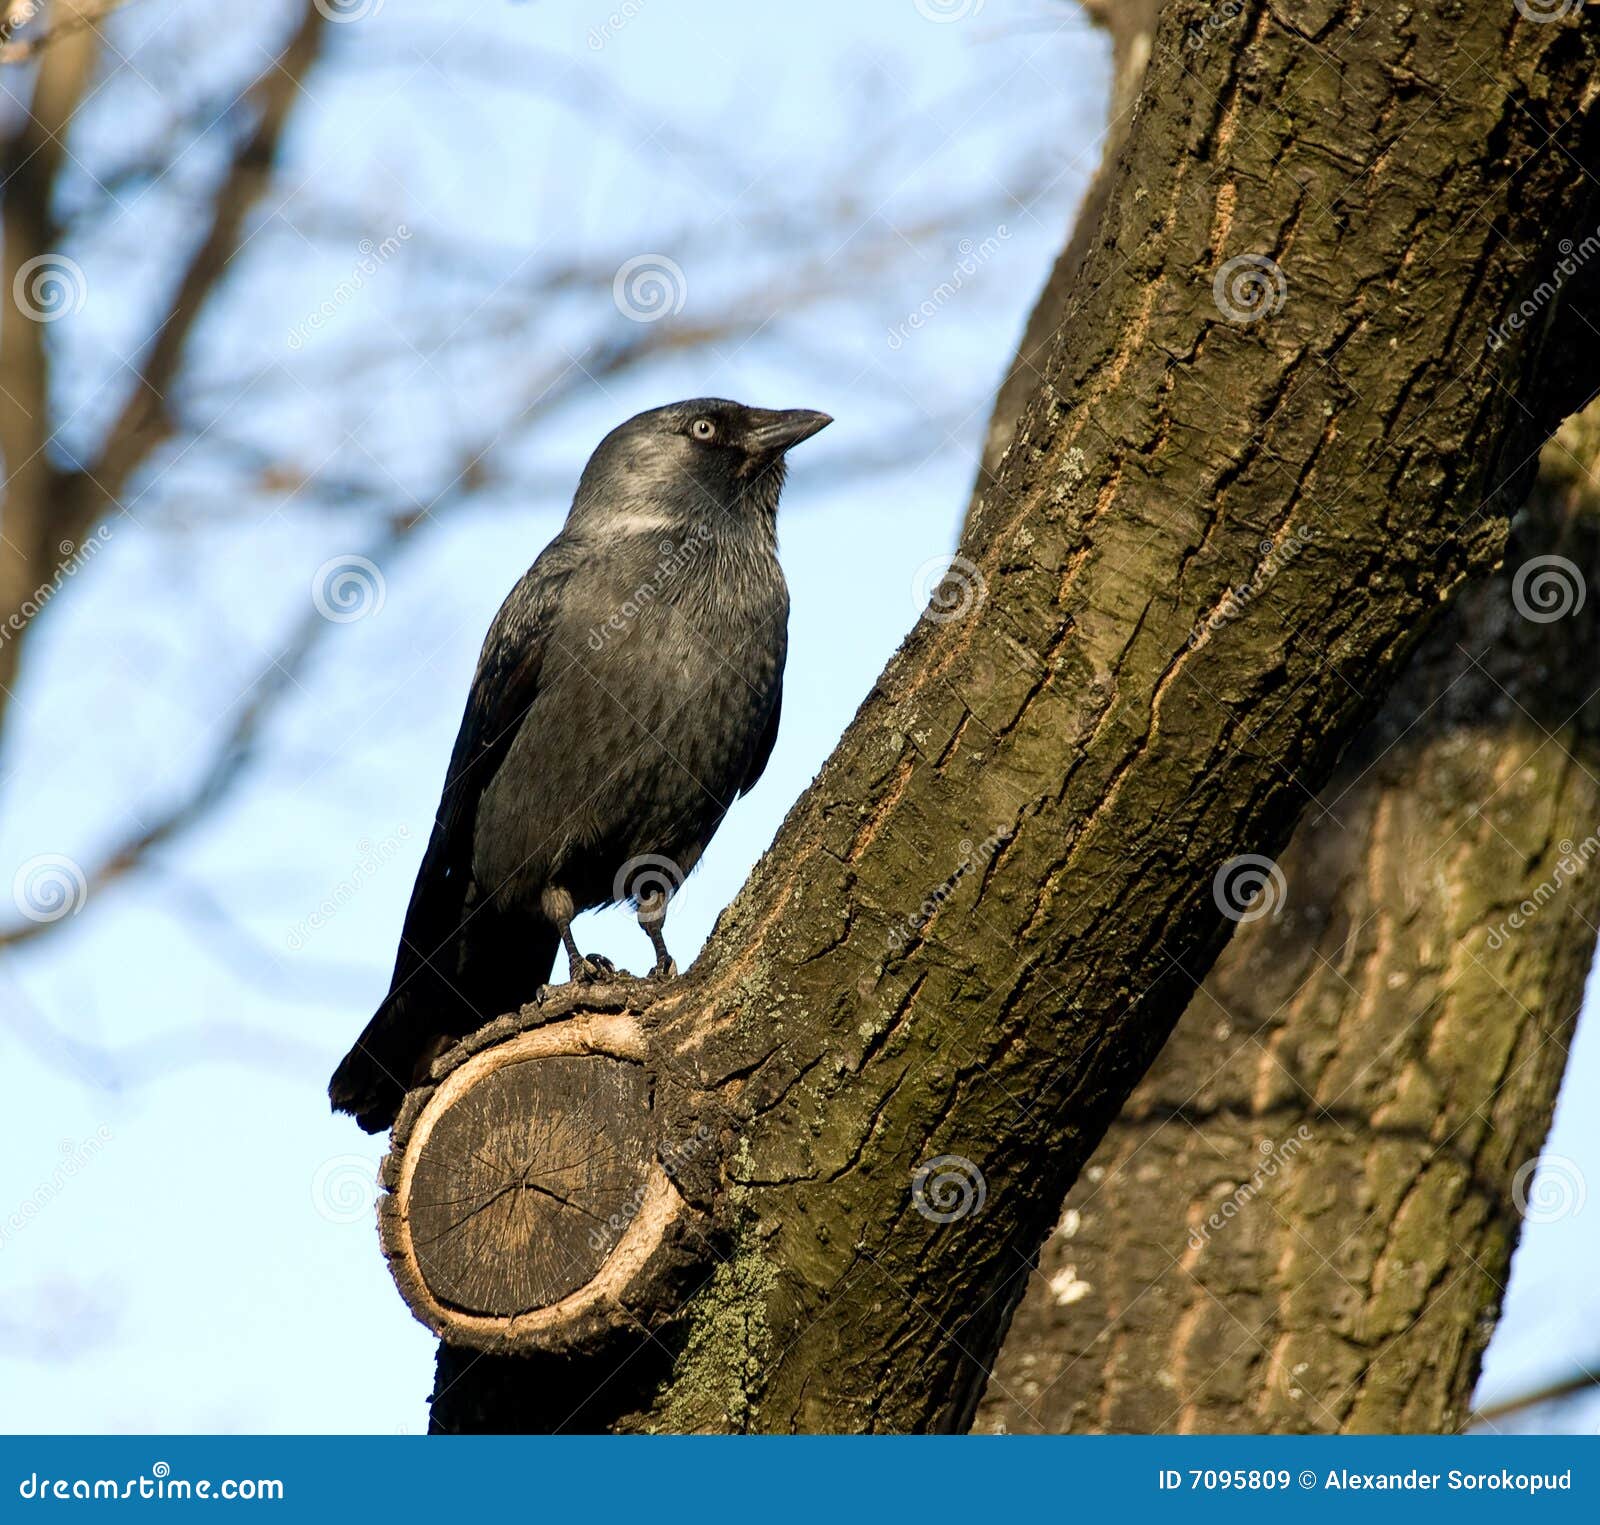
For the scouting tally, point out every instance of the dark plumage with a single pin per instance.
(627, 692)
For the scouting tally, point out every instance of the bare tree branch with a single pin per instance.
(144, 420)
(79, 16)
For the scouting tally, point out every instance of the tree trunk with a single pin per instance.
(980, 922)
(1303, 1219)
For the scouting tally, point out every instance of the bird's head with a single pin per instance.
(691, 459)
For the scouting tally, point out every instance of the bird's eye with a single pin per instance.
(703, 429)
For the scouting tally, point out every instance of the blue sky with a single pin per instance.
(206, 1258)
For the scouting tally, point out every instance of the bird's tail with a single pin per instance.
(373, 1078)
(502, 966)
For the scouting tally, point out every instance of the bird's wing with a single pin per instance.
(504, 686)
(763, 750)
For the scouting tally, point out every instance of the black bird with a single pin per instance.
(627, 692)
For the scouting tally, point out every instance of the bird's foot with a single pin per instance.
(591, 968)
(665, 969)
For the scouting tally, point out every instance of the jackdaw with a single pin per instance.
(627, 692)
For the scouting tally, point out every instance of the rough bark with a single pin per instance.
(1303, 1219)
(978, 925)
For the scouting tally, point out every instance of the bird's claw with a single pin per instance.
(665, 969)
(593, 968)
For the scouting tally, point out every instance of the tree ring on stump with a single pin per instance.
(525, 1195)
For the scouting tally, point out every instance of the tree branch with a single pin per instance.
(144, 420)
(80, 15)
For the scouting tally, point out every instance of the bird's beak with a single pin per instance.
(773, 431)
